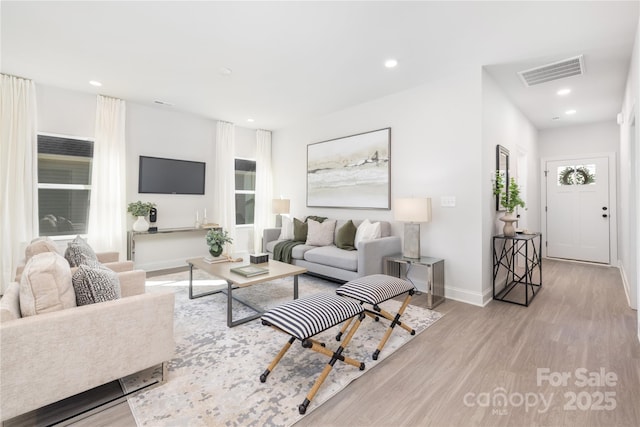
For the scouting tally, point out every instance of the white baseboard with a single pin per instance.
(464, 295)
(625, 282)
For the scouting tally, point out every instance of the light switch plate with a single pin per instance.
(448, 201)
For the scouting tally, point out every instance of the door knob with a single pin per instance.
(604, 208)
(604, 215)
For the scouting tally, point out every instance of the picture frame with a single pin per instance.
(351, 172)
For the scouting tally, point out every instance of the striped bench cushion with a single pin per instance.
(308, 316)
(375, 288)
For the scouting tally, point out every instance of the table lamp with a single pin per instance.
(279, 207)
(412, 211)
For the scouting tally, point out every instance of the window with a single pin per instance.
(245, 191)
(576, 175)
(64, 185)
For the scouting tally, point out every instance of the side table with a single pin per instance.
(399, 266)
(507, 251)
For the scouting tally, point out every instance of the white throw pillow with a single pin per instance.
(321, 233)
(40, 245)
(367, 231)
(286, 232)
(45, 285)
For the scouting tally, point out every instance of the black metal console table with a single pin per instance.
(506, 253)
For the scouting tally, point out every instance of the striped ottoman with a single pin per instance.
(306, 317)
(374, 290)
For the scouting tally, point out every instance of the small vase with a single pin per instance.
(508, 229)
(140, 224)
(217, 253)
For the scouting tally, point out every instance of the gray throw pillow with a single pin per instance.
(75, 251)
(93, 284)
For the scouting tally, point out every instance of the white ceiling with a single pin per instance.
(296, 60)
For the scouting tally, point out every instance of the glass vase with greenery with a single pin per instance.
(216, 238)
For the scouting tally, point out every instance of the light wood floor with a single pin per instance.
(448, 375)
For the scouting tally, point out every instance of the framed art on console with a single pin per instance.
(350, 172)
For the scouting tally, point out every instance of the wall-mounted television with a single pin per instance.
(170, 176)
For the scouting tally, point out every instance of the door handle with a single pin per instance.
(604, 208)
(604, 215)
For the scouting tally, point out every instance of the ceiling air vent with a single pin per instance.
(557, 70)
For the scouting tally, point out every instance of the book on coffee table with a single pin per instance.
(215, 260)
(250, 270)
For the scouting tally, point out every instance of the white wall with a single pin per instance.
(503, 124)
(160, 132)
(66, 112)
(593, 138)
(629, 227)
(435, 151)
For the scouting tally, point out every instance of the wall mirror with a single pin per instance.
(502, 167)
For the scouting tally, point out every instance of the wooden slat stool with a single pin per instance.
(374, 290)
(305, 317)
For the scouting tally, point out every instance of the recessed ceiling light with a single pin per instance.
(390, 63)
(563, 92)
(95, 83)
(250, 120)
(570, 112)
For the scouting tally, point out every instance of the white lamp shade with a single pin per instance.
(413, 209)
(280, 206)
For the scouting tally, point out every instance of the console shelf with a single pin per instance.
(131, 236)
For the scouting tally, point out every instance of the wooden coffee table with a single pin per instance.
(277, 270)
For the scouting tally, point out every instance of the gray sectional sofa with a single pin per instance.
(339, 264)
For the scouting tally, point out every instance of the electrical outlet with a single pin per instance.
(448, 201)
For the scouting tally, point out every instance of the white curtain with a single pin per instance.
(264, 190)
(224, 199)
(107, 209)
(18, 172)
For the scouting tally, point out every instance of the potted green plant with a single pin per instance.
(510, 199)
(216, 238)
(140, 210)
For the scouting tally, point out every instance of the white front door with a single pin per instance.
(578, 210)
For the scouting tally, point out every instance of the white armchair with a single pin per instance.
(51, 356)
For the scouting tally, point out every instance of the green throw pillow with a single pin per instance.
(300, 230)
(315, 218)
(346, 236)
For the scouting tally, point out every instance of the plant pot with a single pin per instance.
(140, 224)
(215, 253)
(508, 230)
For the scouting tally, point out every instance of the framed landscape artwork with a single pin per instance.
(351, 172)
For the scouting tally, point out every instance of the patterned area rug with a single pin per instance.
(213, 378)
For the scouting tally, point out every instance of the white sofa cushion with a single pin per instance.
(45, 285)
(334, 257)
(321, 233)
